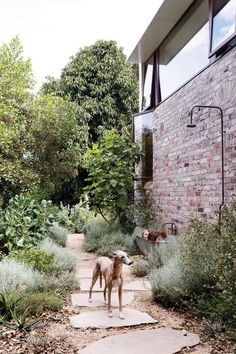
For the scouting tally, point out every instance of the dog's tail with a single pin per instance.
(100, 279)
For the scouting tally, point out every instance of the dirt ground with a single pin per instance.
(55, 335)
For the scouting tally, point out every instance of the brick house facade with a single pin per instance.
(187, 172)
(187, 180)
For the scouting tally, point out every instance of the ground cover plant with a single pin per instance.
(140, 267)
(19, 276)
(8, 303)
(24, 222)
(200, 275)
(16, 307)
(36, 257)
(62, 260)
(39, 302)
(38, 291)
(35, 271)
(58, 234)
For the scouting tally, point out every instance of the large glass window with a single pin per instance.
(206, 30)
(223, 22)
(185, 50)
(147, 87)
(191, 59)
(142, 128)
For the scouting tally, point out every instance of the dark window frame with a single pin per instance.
(222, 47)
(155, 84)
(143, 178)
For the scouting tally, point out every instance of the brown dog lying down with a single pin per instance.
(154, 236)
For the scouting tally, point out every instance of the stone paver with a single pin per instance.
(85, 272)
(100, 319)
(156, 341)
(86, 282)
(138, 285)
(81, 300)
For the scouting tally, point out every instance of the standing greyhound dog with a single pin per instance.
(112, 274)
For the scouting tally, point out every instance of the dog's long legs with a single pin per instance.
(109, 301)
(121, 315)
(96, 274)
(105, 293)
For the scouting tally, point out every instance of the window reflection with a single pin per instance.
(223, 21)
(191, 59)
(184, 52)
(148, 84)
(143, 135)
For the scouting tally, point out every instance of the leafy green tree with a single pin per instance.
(16, 76)
(103, 85)
(110, 166)
(16, 80)
(52, 86)
(41, 142)
(59, 142)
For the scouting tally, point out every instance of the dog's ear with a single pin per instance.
(114, 254)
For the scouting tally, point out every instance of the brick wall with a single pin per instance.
(187, 162)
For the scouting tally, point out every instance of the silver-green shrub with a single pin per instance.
(63, 260)
(59, 234)
(94, 231)
(63, 280)
(201, 275)
(115, 240)
(168, 282)
(182, 268)
(198, 254)
(104, 239)
(162, 253)
(18, 276)
(140, 268)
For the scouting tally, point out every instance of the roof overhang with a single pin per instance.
(165, 19)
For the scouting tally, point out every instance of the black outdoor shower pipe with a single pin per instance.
(192, 125)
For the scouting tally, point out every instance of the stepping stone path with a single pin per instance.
(99, 319)
(156, 341)
(152, 341)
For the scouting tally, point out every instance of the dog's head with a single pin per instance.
(145, 234)
(123, 257)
